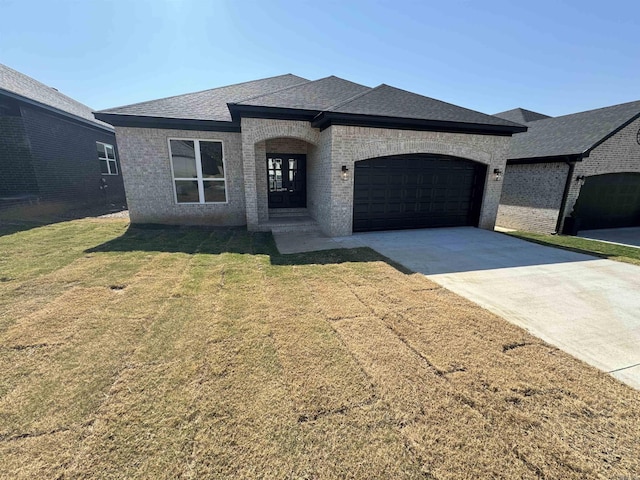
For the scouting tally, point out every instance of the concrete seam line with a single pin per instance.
(624, 368)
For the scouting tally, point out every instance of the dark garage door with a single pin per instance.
(609, 201)
(417, 191)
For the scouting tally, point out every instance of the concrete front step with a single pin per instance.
(287, 212)
(297, 223)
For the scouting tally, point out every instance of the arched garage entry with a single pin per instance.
(417, 191)
(609, 201)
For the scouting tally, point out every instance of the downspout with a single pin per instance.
(565, 194)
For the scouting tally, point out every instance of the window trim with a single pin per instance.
(199, 178)
(107, 159)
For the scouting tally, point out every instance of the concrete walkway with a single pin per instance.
(584, 305)
(629, 237)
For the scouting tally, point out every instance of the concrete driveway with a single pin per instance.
(624, 236)
(588, 307)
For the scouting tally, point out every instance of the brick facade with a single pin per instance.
(148, 181)
(55, 159)
(146, 167)
(532, 194)
(65, 160)
(18, 177)
(619, 153)
(351, 144)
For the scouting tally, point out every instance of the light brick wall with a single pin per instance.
(531, 196)
(319, 181)
(287, 145)
(618, 154)
(146, 170)
(351, 144)
(255, 134)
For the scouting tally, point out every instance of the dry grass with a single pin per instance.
(183, 353)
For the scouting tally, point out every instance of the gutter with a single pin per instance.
(565, 193)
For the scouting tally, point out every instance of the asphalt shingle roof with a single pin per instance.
(207, 104)
(25, 86)
(521, 115)
(317, 95)
(571, 134)
(330, 94)
(387, 101)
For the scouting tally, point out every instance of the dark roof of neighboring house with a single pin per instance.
(521, 115)
(24, 87)
(573, 134)
(208, 104)
(324, 102)
(316, 95)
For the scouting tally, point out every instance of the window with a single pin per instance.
(107, 158)
(198, 171)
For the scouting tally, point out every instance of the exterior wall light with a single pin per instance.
(345, 172)
(498, 174)
(580, 179)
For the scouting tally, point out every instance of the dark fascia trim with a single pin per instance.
(55, 111)
(135, 121)
(554, 159)
(274, 113)
(610, 134)
(326, 119)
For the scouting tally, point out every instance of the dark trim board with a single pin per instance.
(555, 159)
(273, 113)
(326, 119)
(168, 123)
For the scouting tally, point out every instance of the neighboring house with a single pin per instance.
(286, 152)
(584, 166)
(53, 151)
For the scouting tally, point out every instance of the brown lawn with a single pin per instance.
(186, 353)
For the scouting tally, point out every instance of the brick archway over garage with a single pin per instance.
(390, 147)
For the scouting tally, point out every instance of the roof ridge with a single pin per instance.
(199, 91)
(351, 99)
(279, 90)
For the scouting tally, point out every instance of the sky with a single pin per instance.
(555, 57)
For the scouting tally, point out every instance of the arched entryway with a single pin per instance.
(417, 191)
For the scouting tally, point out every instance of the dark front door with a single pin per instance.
(609, 201)
(287, 177)
(417, 191)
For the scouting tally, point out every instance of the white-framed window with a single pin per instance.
(107, 159)
(198, 170)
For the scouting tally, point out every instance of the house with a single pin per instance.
(53, 151)
(583, 167)
(287, 152)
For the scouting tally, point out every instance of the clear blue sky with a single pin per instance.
(555, 57)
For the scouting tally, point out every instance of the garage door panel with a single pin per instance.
(417, 191)
(609, 201)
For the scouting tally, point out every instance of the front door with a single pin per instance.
(287, 177)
